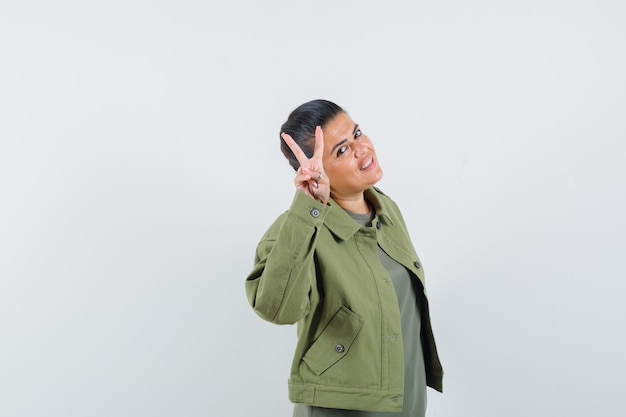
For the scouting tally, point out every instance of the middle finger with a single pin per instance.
(319, 143)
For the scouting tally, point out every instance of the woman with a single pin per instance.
(340, 263)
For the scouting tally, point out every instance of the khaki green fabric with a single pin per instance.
(317, 267)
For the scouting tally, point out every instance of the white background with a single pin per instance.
(139, 166)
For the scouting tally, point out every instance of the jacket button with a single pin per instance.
(378, 225)
(315, 212)
(417, 264)
(339, 348)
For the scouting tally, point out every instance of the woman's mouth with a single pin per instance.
(367, 164)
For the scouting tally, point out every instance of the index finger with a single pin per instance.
(319, 143)
(295, 148)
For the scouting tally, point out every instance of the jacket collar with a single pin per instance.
(344, 227)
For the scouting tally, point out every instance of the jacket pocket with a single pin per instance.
(334, 342)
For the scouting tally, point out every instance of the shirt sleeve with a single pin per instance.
(279, 285)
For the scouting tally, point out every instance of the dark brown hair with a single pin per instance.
(301, 123)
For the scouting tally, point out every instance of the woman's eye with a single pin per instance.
(357, 133)
(342, 150)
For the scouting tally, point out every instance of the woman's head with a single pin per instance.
(301, 123)
(348, 155)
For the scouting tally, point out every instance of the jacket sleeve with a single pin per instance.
(279, 285)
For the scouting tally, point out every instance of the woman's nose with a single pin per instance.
(358, 150)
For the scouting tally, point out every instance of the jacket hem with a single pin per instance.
(346, 397)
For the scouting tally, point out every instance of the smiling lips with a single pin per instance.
(369, 162)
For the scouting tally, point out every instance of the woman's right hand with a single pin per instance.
(311, 178)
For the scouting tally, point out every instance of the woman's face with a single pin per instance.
(349, 158)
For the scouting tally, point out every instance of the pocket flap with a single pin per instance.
(334, 342)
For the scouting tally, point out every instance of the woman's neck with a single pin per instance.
(355, 204)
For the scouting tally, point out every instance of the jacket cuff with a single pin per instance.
(308, 209)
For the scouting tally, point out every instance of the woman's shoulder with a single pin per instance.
(384, 198)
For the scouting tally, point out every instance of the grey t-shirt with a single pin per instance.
(414, 404)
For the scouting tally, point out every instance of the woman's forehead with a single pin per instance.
(341, 127)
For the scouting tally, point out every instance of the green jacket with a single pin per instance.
(317, 267)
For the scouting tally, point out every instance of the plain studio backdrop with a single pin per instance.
(140, 165)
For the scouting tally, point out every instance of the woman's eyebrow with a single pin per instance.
(341, 142)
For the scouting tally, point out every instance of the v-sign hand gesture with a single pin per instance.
(311, 178)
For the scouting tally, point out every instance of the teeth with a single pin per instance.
(367, 164)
